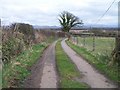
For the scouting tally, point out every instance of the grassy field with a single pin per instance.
(67, 70)
(102, 44)
(99, 62)
(14, 73)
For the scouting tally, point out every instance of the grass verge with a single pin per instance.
(111, 72)
(15, 72)
(67, 70)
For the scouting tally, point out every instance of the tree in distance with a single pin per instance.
(68, 20)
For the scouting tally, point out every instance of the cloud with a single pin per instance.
(45, 12)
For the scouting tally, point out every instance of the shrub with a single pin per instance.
(11, 48)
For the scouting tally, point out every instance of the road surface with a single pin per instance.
(43, 73)
(90, 76)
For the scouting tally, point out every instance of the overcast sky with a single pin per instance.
(45, 12)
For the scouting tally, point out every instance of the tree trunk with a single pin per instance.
(68, 35)
(117, 50)
(116, 53)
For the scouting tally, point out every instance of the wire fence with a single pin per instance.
(95, 44)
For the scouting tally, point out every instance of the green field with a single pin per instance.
(102, 44)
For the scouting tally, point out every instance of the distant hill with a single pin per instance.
(46, 27)
(88, 27)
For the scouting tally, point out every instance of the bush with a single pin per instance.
(25, 29)
(11, 48)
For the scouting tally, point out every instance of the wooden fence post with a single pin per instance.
(77, 40)
(93, 42)
(84, 41)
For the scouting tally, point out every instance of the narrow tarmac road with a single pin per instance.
(43, 73)
(49, 77)
(90, 76)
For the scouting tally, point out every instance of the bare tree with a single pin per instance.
(68, 20)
